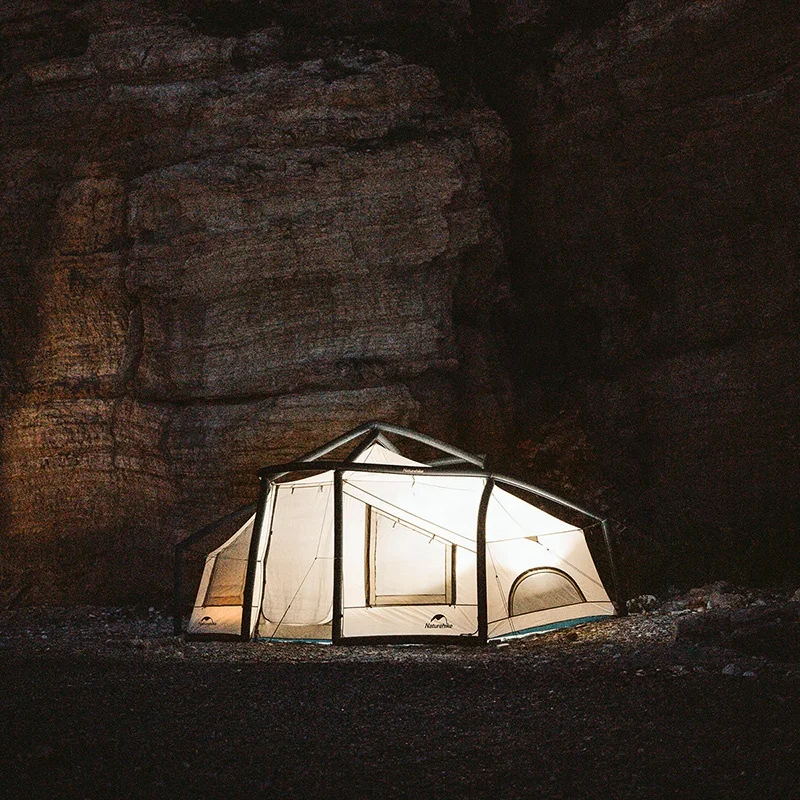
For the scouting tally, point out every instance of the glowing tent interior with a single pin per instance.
(378, 547)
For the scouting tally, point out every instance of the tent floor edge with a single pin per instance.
(472, 641)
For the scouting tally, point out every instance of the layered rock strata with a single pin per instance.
(656, 251)
(231, 228)
(217, 258)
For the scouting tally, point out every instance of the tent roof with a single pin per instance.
(375, 453)
(456, 462)
(372, 432)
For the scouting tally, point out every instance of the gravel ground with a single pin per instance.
(107, 703)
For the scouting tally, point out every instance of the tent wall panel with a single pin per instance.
(411, 621)
(446, 505)
(544, 619)
(521, 538)
(354, 568)
(409, 555)
(510, 517)
(315, 633)
(299, 579)
(466, 577)
(218, 607)
(215, 623)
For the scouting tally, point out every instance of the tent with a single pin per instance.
(377, 547)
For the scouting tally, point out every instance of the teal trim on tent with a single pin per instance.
(291, 641)
(553, 626)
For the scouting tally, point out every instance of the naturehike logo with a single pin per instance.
(438, 621)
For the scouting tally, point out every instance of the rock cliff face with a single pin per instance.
(656, 256)
(216, 257)
(231, 229)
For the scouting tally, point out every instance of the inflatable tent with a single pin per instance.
(378, 547)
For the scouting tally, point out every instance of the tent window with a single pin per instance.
(542, 588)
(407, 566)
(226, 586)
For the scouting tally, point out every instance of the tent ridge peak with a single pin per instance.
(375, 428)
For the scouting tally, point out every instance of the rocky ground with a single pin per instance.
(107, 703)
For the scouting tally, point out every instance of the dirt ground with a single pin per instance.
(106, 703)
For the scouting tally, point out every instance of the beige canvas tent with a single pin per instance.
(378, 547)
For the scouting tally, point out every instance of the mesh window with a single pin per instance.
(407, 566)
(542, 588)
(226, 586)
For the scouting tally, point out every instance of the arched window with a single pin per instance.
(542, 588)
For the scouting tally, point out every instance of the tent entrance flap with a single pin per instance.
(298, 580)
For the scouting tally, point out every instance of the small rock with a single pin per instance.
(727, 600)
(677, 605)
(642, 603)
(731, 670)
(719, 587)
(796, 597)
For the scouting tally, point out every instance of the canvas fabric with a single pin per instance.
(409, 560)
(218, 607)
